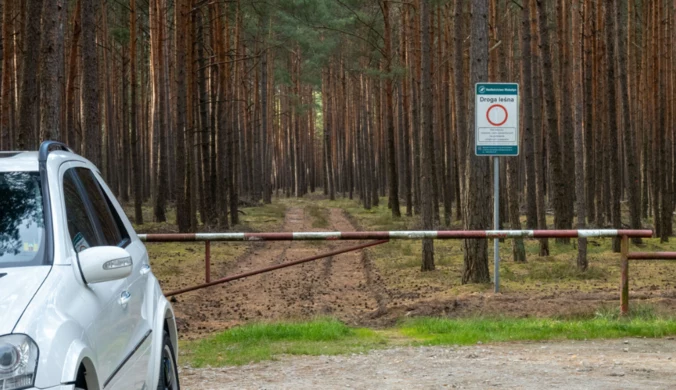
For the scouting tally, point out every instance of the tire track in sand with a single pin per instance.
(345, 286)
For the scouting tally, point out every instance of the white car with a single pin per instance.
(79, 305)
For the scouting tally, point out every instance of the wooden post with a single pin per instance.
(207, 261)
(624, 269)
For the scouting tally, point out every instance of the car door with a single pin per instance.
(106, 330)
(133, 375)
(134, 332)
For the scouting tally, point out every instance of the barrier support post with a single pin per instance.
(207, 261)
(624, 270)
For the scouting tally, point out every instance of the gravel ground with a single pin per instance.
(600, 364)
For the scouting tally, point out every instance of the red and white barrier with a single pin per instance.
(394, 235)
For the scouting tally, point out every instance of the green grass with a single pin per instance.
(606, 325)
(258, 342)
(319, 215)
(262, 218)
(325, 336)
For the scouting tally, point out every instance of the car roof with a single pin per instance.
(28, 161)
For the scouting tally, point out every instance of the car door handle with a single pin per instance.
(125, 297)
(145, 270)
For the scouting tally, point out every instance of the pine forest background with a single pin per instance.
(211, 104)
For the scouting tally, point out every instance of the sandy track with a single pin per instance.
(343, 286)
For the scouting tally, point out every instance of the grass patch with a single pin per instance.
(262, 218)
(258, 342)
(439, 331)
(319, 215)
(325, 336)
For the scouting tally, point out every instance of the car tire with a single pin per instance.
(168, 378)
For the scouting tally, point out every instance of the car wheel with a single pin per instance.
(168, 372)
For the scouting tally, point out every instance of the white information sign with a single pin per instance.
(497, 119)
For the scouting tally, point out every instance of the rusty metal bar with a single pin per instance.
(624, 271)
(400, 235)
(652, 256)
(275, 267)
(207, 261)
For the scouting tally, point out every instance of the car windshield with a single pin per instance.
(22, 228)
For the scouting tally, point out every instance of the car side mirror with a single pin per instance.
(104, 263)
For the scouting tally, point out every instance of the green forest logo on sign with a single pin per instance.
(497, 119)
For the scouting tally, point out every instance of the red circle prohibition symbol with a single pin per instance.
(489, 111)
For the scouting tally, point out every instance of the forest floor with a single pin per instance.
(379, 286)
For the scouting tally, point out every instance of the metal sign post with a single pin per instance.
(496, 134)
(496, 222)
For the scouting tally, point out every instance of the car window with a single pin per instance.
(22, 229)
(83, 235)
(110, 225)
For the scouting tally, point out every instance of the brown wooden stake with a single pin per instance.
(624, 284)
(207, 261)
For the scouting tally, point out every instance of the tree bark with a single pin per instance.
(527, 108)
(135, 138)
(182, 203)
(426, 170)
(633, 184)
(51, 74)
(90, 84)
(556, 193)
(477, 188)
(615, 170)
(538, 130)
(578, 120)
(7, 121)
(461, 124)
(29, 98)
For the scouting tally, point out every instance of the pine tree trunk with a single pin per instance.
(633, 184)
(135, 138)
(556, 193)
(265, 112)
(406, 140)
(233, 149)
(615, 169)
(477, 188)
(538, 131)
(392, 178)
(426, 169)
(52, 71)
(182, 203)
(160, 126)
(566, 125)
(578, 120)
(461, 124)
(7, 122)
(589, 162)
(29, 100)
(206, 202)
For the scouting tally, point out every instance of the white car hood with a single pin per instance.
(17, 288)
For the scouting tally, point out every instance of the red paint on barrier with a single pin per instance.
(268, 236)
(642, 233)
(652, 256)
(363, 235)
(170, 237)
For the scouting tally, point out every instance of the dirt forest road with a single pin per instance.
(350, 288)
(604, 364)
(345, 288)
